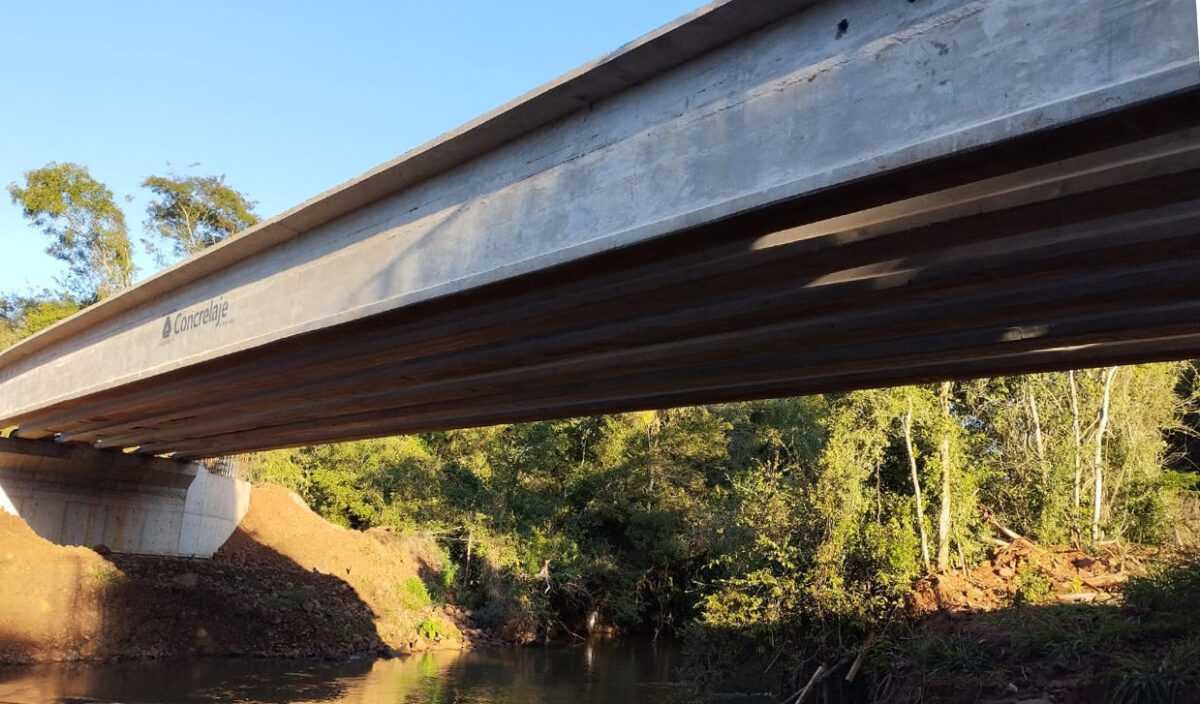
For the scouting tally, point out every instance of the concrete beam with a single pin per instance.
(750, 171)
(940, 259)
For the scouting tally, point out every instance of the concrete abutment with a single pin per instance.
(73, 495)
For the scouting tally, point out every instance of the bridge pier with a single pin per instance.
(74, 495)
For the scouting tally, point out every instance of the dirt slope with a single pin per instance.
(287, 583)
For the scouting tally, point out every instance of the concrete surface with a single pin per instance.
(722, 180)
(79, 496)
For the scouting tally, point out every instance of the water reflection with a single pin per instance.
(590, 674)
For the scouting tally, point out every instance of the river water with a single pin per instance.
(586, 674)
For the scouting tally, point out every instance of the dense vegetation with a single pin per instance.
(787, 526)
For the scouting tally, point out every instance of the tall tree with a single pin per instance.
(25, 315)
(916, 481)
(943, 554)
(1098, 460)
(85, 225)
(1076, 454)
(194, 212)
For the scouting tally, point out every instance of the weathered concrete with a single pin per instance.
(146, 505)
(690, 208)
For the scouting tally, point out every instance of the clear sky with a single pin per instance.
(287, 99)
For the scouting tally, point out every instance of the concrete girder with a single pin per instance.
(743, 175)
(794, 253)
(827, 251)
(1158, 348)
(1167, 275)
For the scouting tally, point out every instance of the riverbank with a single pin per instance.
(286, 584)
(1029, 623)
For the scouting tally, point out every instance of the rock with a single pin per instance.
(186, 580)
(1005, 572)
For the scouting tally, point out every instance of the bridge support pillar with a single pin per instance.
(75, 495)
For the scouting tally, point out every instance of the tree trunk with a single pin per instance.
(943, 556)
(916, 482)
(1039, 443)
(1078, 444)
(1077, 456)
(1098, 487)
(470, 545)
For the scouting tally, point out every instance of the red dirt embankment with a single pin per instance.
(287, 583)
(1023, 569)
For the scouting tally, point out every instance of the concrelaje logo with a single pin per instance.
(212, 314)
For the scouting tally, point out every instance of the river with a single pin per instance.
(601, 673)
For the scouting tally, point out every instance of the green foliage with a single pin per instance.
(191, 213)
(436, 629)
(1171, 677)
(22, 316)
(1172, 589)
(1145, 650)
(86, 228)
(413, 594)
(1032, 586)
(109, 576)
(781, 530)
(958, 654)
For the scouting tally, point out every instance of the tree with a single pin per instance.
(87, 228)
(1098, 460)
(22, 316)
(1076, 454)
(943, 554)
(916, 480)
(195, 212)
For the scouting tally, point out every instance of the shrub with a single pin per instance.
(436, 629)
(413, 594)
(1032, 587)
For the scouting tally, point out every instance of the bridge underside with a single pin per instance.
(1083, 260)
(1065, 246)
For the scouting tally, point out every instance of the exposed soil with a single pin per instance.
(1058, 574)
(1033, 624)
(286, 584)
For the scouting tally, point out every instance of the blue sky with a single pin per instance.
(287, 99)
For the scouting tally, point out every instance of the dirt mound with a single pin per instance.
(1024, 572)
(387, 572)
(40, 583)
(286, 584)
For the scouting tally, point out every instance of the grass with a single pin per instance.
(952, 654)
(413, 594)
(1143, 650)
(436, 629)
(110, 576)
(1169, 677)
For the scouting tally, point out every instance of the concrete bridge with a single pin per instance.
(761, 199)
